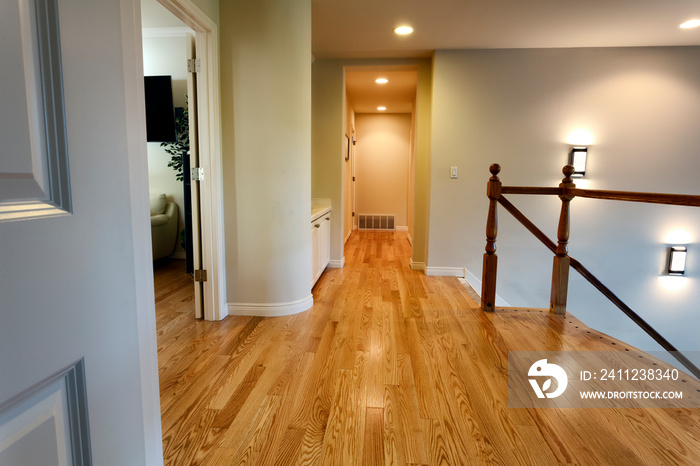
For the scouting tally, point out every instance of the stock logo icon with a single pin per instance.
(542, 368)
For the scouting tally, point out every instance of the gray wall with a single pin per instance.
(68, 285)
(517, 107)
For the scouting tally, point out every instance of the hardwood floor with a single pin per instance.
(389, 367)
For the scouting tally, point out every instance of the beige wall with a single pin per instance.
(348, 193)
(517, 107)
(328, 130)
(266, 119)
(383, 149)
(412, 176)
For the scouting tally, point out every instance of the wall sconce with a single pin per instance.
(676, 260)
(577, 158)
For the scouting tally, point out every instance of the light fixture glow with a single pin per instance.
(381, 109)
(580, 137)
(403, 30)
(693, 23)
(678, 236)
(676, 260)
(381, 80)
(577, 158)
(672, 283)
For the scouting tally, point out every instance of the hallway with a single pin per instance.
(389, 367)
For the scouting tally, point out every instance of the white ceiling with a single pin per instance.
(363, 28)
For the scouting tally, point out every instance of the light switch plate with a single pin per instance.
(453, 173)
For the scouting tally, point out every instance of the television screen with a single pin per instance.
(160, 112)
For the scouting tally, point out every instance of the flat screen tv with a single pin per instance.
(160, 112)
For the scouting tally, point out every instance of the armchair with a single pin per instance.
(164, 226)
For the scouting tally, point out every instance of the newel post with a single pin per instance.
(488, 277)
(560, 269)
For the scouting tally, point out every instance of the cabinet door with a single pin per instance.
(315, 252)
(326, 241)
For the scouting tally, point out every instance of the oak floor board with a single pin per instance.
(390, 366)
(373, 441)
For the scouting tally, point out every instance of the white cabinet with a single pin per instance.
(320, 245)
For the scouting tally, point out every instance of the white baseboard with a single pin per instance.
(347, 237)
(475, 283)
(271, 309)
(402, 228)
(420, 266)
(336, 264)
(445, 271)
(410, 240)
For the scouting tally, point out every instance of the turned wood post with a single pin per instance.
(488, 277)
(560, 269)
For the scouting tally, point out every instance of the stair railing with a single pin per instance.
(562, 262)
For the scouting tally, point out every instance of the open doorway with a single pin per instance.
(380, 172)
(187, 41)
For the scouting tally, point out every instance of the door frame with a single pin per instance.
(212, 205)
(209, 134)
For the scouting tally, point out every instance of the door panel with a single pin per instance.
(195, 185)
(68, 284)
(33, 154)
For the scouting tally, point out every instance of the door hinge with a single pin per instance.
(353, 178)
(200, 275)
(194, 65)
(353, 214)
(197, 174)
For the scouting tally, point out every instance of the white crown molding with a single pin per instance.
(270, 309)
(167, 32)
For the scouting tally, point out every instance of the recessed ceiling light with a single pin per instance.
(381, 109)
(381, 80)
(693, 23)
(403, 30)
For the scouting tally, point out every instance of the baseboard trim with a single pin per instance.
(475, 283)
(419, 266)
(347, 237)
(336, 264)
(410, 240)
(178, 255)
(271, 309)
(445, 271)
(401, 227)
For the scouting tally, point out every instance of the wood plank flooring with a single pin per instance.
(389, 367)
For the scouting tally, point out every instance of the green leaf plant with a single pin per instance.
(181, 147)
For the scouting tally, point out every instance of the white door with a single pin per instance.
(195, 229)
(72, 371)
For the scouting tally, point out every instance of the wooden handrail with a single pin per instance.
(537, 233)
(650, 198)
(530, 190)
(567, 191)
(651, 331)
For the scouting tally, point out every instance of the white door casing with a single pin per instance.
(209, 138)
